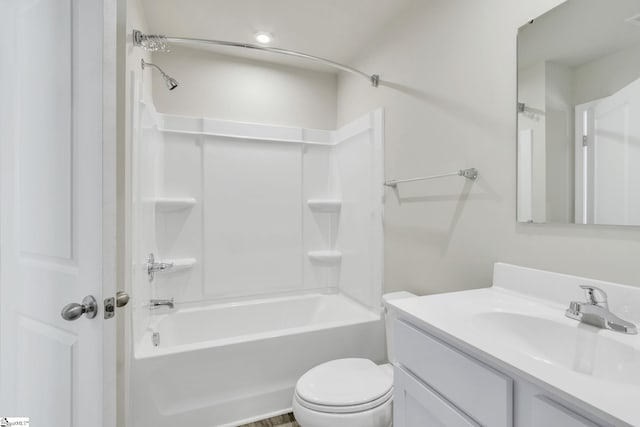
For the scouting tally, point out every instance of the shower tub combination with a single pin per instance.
(233, 363)
(282, 228)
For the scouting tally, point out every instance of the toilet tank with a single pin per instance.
(388, 320)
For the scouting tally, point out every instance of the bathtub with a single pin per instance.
(230, 364)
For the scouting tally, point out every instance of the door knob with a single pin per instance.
(122, 298)
(73, 311)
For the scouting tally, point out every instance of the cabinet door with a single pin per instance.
(416, 405)
(546, 413)
(479, 390)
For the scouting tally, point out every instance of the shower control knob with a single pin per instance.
(73, 311)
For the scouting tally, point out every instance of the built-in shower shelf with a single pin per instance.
(324, 205)
(325, 257)
(174, 204)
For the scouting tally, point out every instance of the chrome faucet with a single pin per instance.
(595, 311)
(157, 303)
(153, 266)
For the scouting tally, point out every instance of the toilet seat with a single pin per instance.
(348, 409)
(344, 386)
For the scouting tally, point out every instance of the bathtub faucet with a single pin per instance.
(153, 266)
(156, 303)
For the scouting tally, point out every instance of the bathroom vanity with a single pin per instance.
(509, 356)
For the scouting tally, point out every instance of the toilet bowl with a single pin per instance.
(345, 393)
(348, 392)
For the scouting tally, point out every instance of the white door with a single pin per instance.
(607, 182)
(57, 210)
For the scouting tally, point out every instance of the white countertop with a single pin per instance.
(513, 327)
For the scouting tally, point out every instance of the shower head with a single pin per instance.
(168, 80)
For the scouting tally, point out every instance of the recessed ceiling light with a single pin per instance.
(263, 37)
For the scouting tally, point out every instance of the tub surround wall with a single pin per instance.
(265, 209)
(147, 159)
(359, 166)
(253, 217)
(130, 89)
(448, 70)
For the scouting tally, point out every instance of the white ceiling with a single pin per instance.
(579, 31)
(333, 29)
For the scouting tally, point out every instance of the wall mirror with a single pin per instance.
(578, 110)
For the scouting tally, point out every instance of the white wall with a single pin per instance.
(546, 90)
(605, 76)
(233, 88)
(449, 92)
(559, 141)
(532, 87)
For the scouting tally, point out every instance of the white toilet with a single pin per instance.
(348, 392)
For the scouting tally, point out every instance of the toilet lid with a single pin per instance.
(344, 382)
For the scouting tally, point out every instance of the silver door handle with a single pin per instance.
(73, 311)
(122, 299)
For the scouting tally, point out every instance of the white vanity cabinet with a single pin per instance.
(437, 384)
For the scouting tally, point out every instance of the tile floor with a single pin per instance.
(286, 420)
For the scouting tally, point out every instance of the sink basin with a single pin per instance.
(518, 326)
(581, 348)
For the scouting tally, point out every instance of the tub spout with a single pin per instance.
(156, 303)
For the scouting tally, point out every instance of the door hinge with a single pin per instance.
(585, 140)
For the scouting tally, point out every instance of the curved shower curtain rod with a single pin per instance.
(153, 42)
